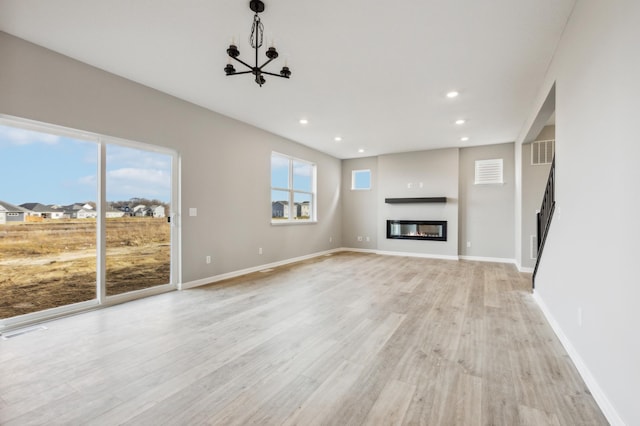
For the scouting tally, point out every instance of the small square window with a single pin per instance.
(360, 180)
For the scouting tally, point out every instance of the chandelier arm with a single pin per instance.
(242, 72)
(242, 62)
(265, 64)
(270, 73)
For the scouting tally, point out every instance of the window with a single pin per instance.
(489, 171)
(360, 180)
(293, 189)
(542, 152)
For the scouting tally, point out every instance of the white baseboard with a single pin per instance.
(400, 253)
(489, 259)
(527, 270)
(424, 255)
(598, 394)
(359, 250)
(523, 268)
(233, 274)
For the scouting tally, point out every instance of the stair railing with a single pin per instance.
(544, 216)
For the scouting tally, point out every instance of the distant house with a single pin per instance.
(139, 210)
(45, 212)
(305, 209)
(86, 214)
(11, 213)
(280, 209)
(113, 212)
(156, 211)
(80, 211)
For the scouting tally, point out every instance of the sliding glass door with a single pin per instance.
(47, 253)
(82, 218)
(138, 230)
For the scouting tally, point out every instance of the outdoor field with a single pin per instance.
(53, 262)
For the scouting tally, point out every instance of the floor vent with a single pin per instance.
(20, 332)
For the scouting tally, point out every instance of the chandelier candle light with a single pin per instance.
(256, 39)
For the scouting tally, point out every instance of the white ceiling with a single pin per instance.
(373, 72)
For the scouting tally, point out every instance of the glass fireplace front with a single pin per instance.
(429, 230)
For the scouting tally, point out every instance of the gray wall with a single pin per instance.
(437, 171)
(225, 163)
(486, 211)
(534, 181)
(360, 208)
(595, 71)
(484, 214)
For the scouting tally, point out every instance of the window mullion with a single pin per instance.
(291, 198)
(101, 231)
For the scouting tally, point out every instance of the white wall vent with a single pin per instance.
(542, 152)
(489, 171)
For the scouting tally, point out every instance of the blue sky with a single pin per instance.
(51, 169)
(302, 178)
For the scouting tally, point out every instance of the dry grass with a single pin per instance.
(53, 263)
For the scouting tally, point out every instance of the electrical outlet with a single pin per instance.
(208, 259)
(259, 250)
(330, 239)
(468, 244)
(359, 237)
(367, 239)
(193, 211)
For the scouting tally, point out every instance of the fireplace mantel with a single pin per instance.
(415, 200)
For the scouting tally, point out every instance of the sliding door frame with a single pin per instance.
(101, 299)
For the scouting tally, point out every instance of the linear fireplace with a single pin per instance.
(429, 230)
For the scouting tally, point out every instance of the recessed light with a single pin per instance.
(464, 138)
(361, 150)
(460, 121)
(304, 121)
(337, 139)
(452, 94)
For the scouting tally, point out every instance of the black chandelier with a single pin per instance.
(255, 39)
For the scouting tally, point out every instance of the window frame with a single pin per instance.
(291, 192)
(353, 180)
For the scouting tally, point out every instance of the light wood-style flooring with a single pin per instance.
(346, 339)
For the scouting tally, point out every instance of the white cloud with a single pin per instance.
(17, 136)
(132, 182)
(278, 161)
(120, 156)
(302, 169)
(126, 183)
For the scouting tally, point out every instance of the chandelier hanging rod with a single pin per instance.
(256, 40)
